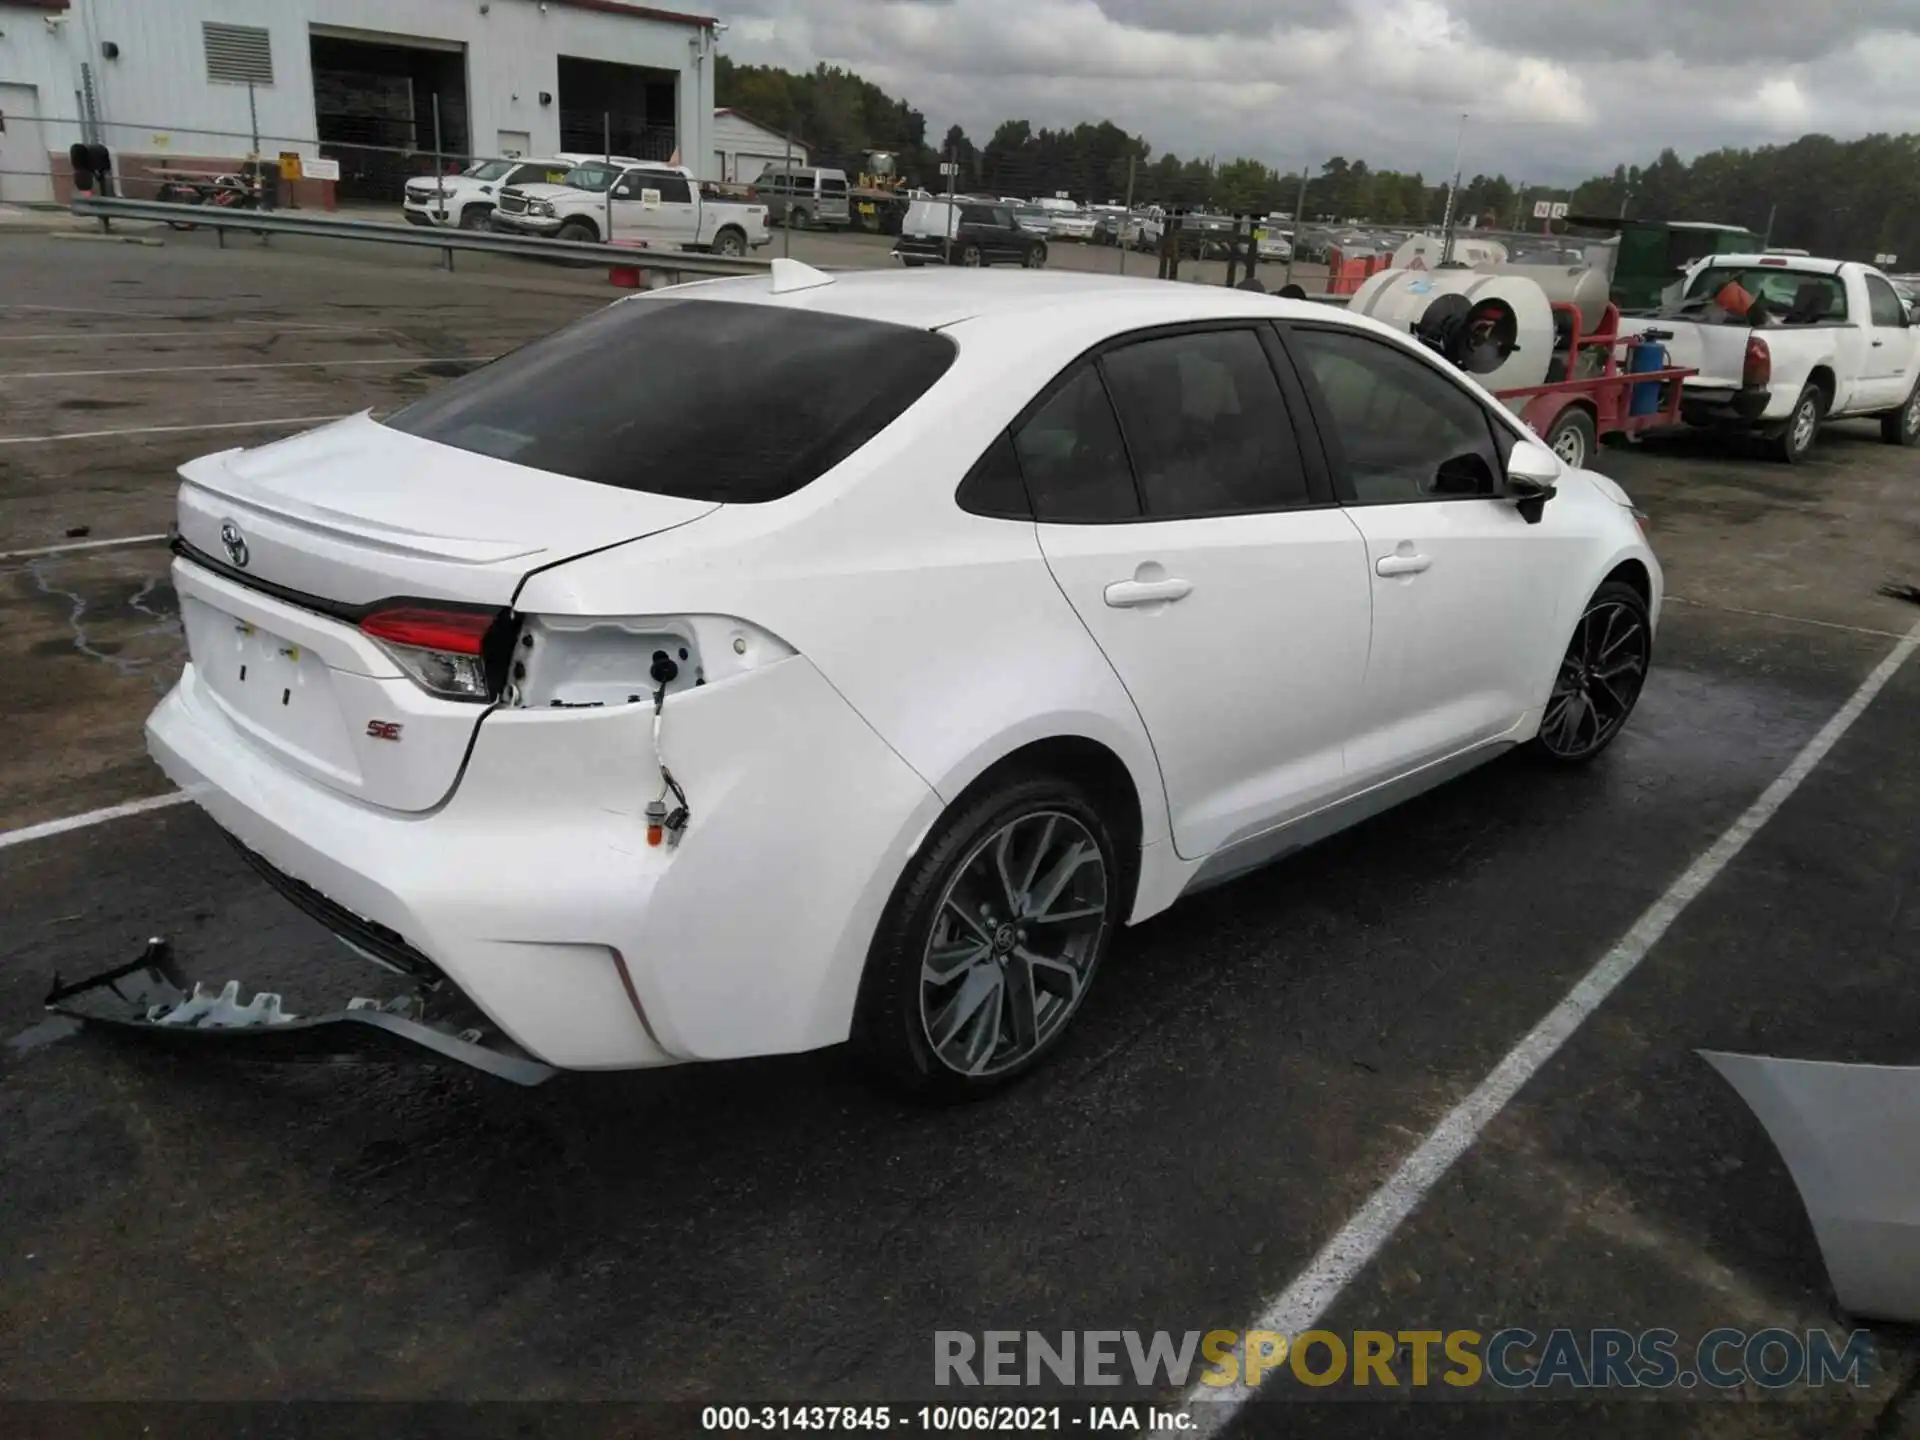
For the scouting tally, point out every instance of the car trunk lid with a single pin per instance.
(290, 549)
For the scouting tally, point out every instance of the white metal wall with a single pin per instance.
(744, 149)
(155, 96)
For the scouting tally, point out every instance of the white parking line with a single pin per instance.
(81, 545)
(195, 332)
(10, 838)
(1301, 1305)
(1776, 615)
(169, 429)
(248, 365)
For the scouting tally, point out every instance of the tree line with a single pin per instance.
(1850, 199)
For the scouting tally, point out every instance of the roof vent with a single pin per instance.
(791, 275)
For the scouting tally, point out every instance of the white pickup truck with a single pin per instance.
(1785, 342)
(660, 206)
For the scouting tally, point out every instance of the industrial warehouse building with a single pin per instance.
(379, 86)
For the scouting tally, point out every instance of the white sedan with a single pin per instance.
(769, 663)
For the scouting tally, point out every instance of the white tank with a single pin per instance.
(1400, 297)
(1423, 252)
(1577, 285)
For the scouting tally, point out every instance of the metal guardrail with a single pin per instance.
(220, 219)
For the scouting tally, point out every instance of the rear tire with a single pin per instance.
(1571, 437)
(798, 218)
(730, 243)
(967, 986)
(1793, 442)
(1600, 677)
(1902, 426)
(970, 257)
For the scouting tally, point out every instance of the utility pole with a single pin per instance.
(786, 221)
(1626, 194)
(946, 230)
(1453, 190)
(1299, 221)
(1767, 239)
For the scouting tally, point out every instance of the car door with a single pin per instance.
(1001, 236)
(1225, 587)
(1466, 593)
(1890, 361)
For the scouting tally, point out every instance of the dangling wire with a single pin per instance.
(676, 820)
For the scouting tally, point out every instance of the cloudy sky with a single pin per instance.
(1556, 89)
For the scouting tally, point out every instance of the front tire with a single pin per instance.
(1571, 437)
(476, 217)
(1902, 426)
(1036, 258)
(991, 940)
(1791, 445)
(1600, 677)
(580, 230)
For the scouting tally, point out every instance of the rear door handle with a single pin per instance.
(1401, 564)
(1878, 343)
(1123, 594)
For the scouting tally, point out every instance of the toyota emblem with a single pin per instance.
(234, 543)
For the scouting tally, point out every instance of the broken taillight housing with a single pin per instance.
(580, 661)
(443, 651)
(1756, 373)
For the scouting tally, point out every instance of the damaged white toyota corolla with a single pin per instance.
(763, 664)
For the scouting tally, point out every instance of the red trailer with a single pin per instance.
(1595, 397)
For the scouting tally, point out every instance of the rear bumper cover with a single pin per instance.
(150, 999)
(1723, 409)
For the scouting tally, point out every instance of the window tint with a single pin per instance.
(1072, 456)
(830, 186)
(975, 215)
(649, 394)
(1002, 218)
(673, 188)
(1397, 420)
(1884, 303)
(994, 487)
(1205, 424)
(526, 175)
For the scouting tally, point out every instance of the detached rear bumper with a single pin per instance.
(150, 999)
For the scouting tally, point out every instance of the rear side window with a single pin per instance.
(700, 399)
(830, 186)
(1072, 456)
(1206, 425)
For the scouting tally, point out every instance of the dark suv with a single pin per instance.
(983, 234)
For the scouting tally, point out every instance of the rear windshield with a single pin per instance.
(700, 399)
(1792, 297)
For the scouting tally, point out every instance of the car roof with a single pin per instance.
(932, 299)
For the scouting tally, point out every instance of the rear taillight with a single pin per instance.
(1757, 370)
(443, 651)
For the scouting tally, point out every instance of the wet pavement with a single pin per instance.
(1253, 1064)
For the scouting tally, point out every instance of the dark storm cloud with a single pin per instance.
(1715, 32)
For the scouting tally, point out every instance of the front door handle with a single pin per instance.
(1401, 564)
(1878, 343)
(1124, 594)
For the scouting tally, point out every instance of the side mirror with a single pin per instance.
(1533, 476)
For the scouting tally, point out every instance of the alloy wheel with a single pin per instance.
(1013, 943)
(1599, 680)
(1805, 420)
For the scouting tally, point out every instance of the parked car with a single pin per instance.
(1275, 244)
(1032, 219)
(966, 232)
(660, 206)
(1823, 339)
(1070, 225)
(804, 196)
(1060, 596)
(466, 200)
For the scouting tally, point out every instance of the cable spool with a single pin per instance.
(1497, 328)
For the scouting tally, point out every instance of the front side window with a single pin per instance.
(1001, 219)
(1072, 457)
(491, 170)
(673, 188)
(1402, 430)
(1206, 424)
(648, 395)
(596, 177)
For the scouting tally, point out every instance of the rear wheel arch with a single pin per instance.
(1093, 766)
(1822, 379)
